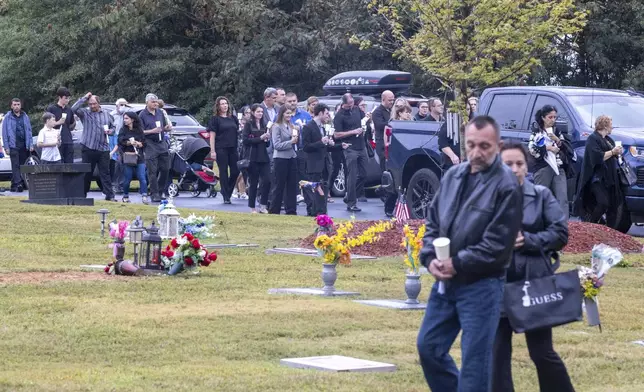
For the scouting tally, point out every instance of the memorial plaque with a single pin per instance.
(309, 253)
(393, 304)
(310, 291)
(59, 184)
(338, 363)
(45, 186)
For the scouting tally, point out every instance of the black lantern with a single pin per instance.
(152, 243)
(136, 237)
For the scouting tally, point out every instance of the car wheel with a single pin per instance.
(420, 192)
(339, 188)
(173, 190)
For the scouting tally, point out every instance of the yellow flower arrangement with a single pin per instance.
(413, 242)
(337, 249)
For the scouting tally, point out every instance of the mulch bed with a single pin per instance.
(582, 237)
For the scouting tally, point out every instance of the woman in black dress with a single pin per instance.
(223, 145)
(256, 138)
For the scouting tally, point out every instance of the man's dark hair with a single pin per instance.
(319, 108)
(345, 98)
(510, 145)
(17, 100)
(47, 116)
(290, 94)
(63, 92)
(481, 122)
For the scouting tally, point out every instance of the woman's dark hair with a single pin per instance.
(280, 115)
(244, 108)
(541, 113)
(509, 145)
(218, 101)
(136, 122)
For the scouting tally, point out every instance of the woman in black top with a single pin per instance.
(550, 151)
(256, 139)
(599, 190)
(223, 145)
(544, 231)
(132, 140)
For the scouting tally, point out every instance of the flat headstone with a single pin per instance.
(305, 291)
(99, 267)
(309, 253)
(222, 246)
(640, 342)
(392, 304)
(338, 363)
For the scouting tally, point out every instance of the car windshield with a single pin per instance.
(181, 119)
(626, 112)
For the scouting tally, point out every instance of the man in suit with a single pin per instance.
(317, 144)
(270, 116)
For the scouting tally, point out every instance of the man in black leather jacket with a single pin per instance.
(479, 208)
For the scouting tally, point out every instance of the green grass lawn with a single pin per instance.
(221, 331)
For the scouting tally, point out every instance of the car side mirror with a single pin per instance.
(562, 126)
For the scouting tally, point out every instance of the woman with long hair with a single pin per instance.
(551, 152)
(599, 189)
(544, 232)
(284, 137)
(242, 178)
(256, 139)
(132, 141)
(223, 145)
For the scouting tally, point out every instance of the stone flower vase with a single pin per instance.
(175, 269)
(592, 312)
(119, 250)
(412, 289)
(126, 268)
(329, 276)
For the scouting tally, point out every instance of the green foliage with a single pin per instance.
(469, 45)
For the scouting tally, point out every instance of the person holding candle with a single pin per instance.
(132, 140)
(157, 155)
(478, 207)
(65, 123)
(544, 231)
(285, 137)
(98, 125)
(224, 126)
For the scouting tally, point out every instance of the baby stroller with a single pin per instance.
(185, 167)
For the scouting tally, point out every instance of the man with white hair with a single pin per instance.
(157, 156)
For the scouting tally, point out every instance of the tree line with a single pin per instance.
(190, 51)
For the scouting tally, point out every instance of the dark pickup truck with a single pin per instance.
(414, 161)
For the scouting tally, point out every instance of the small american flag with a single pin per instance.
(402, 211)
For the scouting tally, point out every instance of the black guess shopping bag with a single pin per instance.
(543, 302)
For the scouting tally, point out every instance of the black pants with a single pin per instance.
(390, 202)
(380, 150)
(18, 156)
(337, 158)
(158, 169)
(66, 153)
(285, 182)
(259, 176)
(102, 159)
(227, 160)
(551, 371)
(356, 174)
(316, 204)
(602, 201)
(116, 174)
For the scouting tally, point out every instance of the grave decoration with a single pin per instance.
(185, 253)
(103, 212)
(603, 258)
(118, 231)
(199, 226)
(136, 237)
(336, 249)
(413, 243)
(151, 248)
(325, 225)
(168, 218)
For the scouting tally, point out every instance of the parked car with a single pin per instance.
(369, 85)
(415, 164)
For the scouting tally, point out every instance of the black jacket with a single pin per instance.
(566, 152)
(254, 146)
(124, 136)
(317, 152)
(545, 230)
(380, 117)
(482, 226)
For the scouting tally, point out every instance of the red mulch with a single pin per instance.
(582, 237)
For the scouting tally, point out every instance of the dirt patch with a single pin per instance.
(43, 277)
(581, 238)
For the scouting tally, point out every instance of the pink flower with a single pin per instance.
(324, 221)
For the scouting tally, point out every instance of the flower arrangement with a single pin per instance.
(162, 206)
(118, 231)
(590, 283)
(413, 242)
(325, 224)
(187, 251)
(337, 248)
(199, 226)
(603, 258)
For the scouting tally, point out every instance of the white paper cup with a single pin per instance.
(158, 124)
(239, 116)
(618, 143)
(269, 124)
(441, 246)
(106, 128)
(64, 116)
